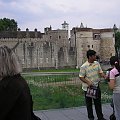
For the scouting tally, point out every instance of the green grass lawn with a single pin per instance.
(57, 97)
(63, 96)
(53, 97)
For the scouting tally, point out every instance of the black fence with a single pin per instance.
(53, 90)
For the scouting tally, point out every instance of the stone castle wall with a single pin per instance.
(53, 48)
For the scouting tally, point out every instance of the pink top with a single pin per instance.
(114, 72)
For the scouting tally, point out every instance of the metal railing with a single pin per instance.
(52, 90)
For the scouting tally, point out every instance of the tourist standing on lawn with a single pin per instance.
(89, 75)
(114, 84)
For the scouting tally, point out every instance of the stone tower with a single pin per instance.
(107, 43)
(100, 40)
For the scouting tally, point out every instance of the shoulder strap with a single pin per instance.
(109, 69)
(117, 75)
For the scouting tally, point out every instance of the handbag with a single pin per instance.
(92, 92)
(34, 117)
(112, 117)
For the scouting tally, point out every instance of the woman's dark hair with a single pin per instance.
(115, 61)
(90, 53)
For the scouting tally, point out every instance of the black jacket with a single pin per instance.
(15, 99)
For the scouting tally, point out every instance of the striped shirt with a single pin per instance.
(90, 71)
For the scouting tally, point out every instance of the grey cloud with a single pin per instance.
(94, 13)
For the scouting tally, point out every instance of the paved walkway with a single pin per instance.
(77, 113)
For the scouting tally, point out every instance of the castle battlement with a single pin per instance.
(53, 48)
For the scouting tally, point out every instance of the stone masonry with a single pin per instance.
(54, 49)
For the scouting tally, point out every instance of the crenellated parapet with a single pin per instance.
(21, 34)
(53, 48)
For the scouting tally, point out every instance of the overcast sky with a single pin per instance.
(43, 13)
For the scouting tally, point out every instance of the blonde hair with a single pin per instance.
(9, 64)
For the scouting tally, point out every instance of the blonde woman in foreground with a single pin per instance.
(15, 98)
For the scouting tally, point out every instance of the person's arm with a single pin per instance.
(87, 81)
(103, 75)
(83, 77)
(111, 84)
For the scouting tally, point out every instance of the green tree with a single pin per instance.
(7, 24)
(117, 43)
